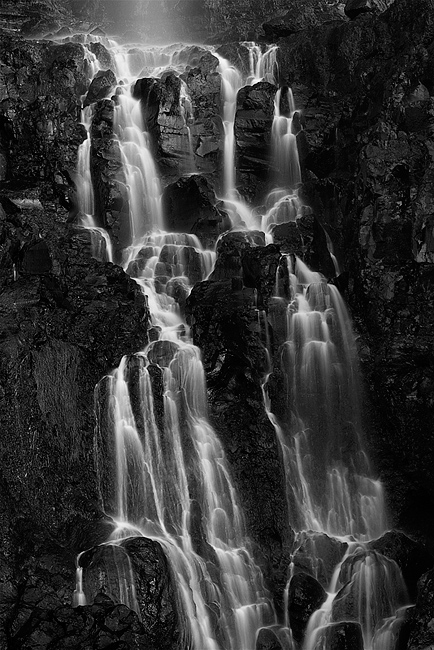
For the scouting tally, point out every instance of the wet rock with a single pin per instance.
(267, 640)
(149, 91)
(190, 206)
(344, 636)
(98, 626)
(412, 557)
(305, 596)
(101, 86)
(226, 326)
(140, 562)
(311, 14)
(35, 258)
(110, 194)
(204, 88)
(368, 576)
(252, 128)
(318, 554)
(421, 633)
(354, 8)
(102, 54)
(162, 352)
(259, 267)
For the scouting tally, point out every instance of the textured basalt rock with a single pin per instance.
(420, 629)
(253, 120)
(365, 89)
(204, 83)
(412, 557)
(304, 597)
(318, 554)
(224, 314)
(190, 206)
(56, 343)
(344, 636)
(267, 640)
(154, 597)
(102, 85)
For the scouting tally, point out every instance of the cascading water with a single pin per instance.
(101, 244)
(262, 67)
(329, 483)
(198, 501)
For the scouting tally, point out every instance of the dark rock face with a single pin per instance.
(310, 14)
(318, 554)
(102, 85)
(224, 319)
(365, 140)
(412, 557)
(66, 321)
(354, 8)
(421, 632)
(111, 199)
(267, 640)
(40, 107)
(253, 120)
(102, 624)
(190, 206)
(305, 596)
(203, 82)
(105, 567)
(344, 636)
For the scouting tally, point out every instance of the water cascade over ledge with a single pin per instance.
(170, 479)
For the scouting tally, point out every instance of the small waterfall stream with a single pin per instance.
(172, 481)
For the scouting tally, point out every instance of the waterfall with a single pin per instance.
(194, 515)
(188, 451)
(262, 67)
(171, 481)
(282, 203)
(101, 244)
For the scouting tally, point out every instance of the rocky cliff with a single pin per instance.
(363, 83)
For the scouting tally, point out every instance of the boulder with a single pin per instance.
(252, 128)
(102, 86)
(305, 596)
(412, 557)
(190, 206)
(344, 636)
(318, 554)
(354, 8)
(267, 640)
(140, 564)
(35, 258)
(421, 632)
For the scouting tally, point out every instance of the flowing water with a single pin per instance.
(171, 481)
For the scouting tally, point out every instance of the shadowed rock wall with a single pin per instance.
(365, 90)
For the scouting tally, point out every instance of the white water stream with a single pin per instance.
(162, 470)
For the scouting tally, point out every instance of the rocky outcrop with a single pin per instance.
(318, 554)
(421, 633)
(40, 88)
(56, 343)
(412, 557)
(253, 120)
(305, 595)
(190, 206)
(225, 316)
(142, 562)
(344, 636)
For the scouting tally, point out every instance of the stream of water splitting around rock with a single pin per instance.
(172, 482)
